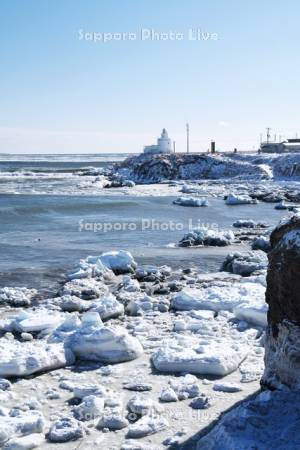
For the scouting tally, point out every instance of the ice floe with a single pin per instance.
(233, 199)
(19, 359)
(246, 300)
(207, 356)
(191, 201)
(206, 236)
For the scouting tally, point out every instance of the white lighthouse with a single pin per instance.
(164, 145)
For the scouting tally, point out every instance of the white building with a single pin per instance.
(164, 145)
(288, 146)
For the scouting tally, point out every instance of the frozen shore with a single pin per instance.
(136, 356)
(127, 352)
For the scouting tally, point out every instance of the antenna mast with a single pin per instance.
(187, 138)
(268, 134)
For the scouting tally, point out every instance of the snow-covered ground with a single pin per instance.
(127, 356)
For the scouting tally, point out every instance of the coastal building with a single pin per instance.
(288, 146)
(164, 145)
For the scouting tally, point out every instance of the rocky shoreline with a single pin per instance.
(144, 357)
(110, 311)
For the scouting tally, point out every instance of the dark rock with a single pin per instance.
(261, 243)
(282, 357)
(245, 264)
(283, 291)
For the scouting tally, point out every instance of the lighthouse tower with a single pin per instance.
(164, 145)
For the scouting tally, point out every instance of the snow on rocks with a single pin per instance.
(233, 199)
(155, 168)
(17, 297)
(150, 273)
(269, 421)
(247, 223)
(64, 430)
(245, 263)
(86, 289)
(191, 201)
(24, 423)
(94, 342)
(206, 236)
(261, 243)
(201, 402)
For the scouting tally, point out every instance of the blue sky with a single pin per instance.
(61, 93)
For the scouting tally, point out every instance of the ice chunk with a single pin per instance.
(90, 408)
(246, 263)
(206, 236)
(26, 358)
(113, 421)
(141, 405)
(18, 296)
(20, 425)
(227, 387)
(147, 425)
(118, 261)
(108, 307)
(25, 442)
(191, 201)
(94, 342)
(186, 387)
(39, 322)
(168, 395)
(65, 429)
(214, 357)
(245, 300)
(233, 199)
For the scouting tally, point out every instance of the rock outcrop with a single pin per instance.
(155, 168)
(282, 358)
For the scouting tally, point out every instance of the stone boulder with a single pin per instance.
(282, 357)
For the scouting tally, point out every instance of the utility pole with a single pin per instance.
(187, 138)
(268, 134)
